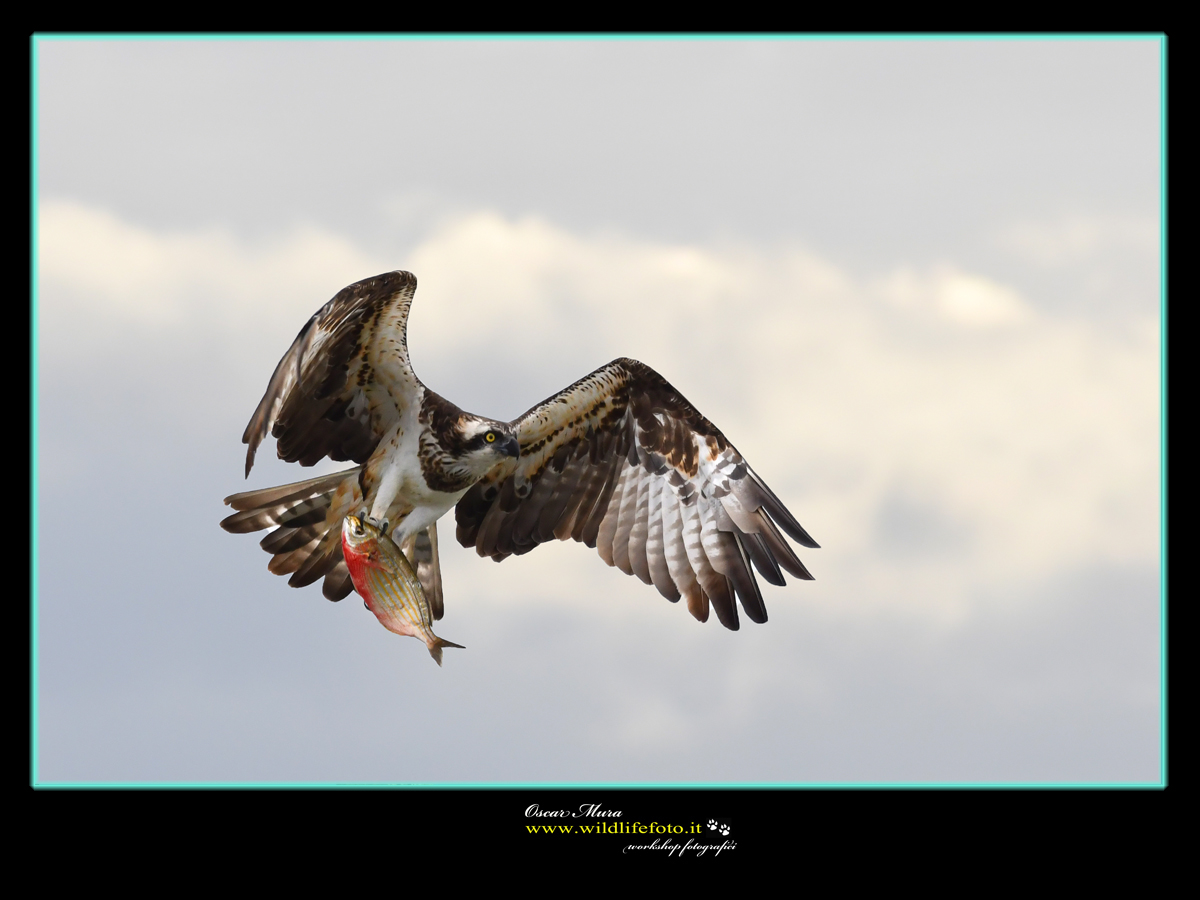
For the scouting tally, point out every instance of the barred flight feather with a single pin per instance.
(621, 462)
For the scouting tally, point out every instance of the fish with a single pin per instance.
(385, 579)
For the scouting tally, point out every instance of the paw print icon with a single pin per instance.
(721, 826)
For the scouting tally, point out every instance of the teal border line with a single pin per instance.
(589, 785)
(33, 413)
(1162, 416)
(599, 36)
(37, 38)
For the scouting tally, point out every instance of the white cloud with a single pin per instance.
(1070, 240)
(932, 432)
(956, 296)
(93, 265)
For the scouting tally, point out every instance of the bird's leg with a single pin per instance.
(383, 525)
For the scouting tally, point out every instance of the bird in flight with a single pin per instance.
(619, 461)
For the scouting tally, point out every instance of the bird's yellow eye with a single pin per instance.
(491, 436)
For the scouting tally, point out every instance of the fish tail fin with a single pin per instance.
(435, 649)
(307, 543)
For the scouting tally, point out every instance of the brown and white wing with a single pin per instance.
(346, 378)
(622, 462)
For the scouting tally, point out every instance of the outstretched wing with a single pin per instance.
(622, 462)
(346, 378)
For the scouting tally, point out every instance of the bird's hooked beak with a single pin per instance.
(510, 447)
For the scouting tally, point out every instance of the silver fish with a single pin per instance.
(389, 586)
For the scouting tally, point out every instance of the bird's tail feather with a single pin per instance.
(307, 542)
(422, 551)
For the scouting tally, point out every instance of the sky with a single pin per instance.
(916, 283)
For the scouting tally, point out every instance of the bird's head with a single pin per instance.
(486, 442)
(458, 448)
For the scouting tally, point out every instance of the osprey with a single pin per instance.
(619, 461)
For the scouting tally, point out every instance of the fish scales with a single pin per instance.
(385, 579)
